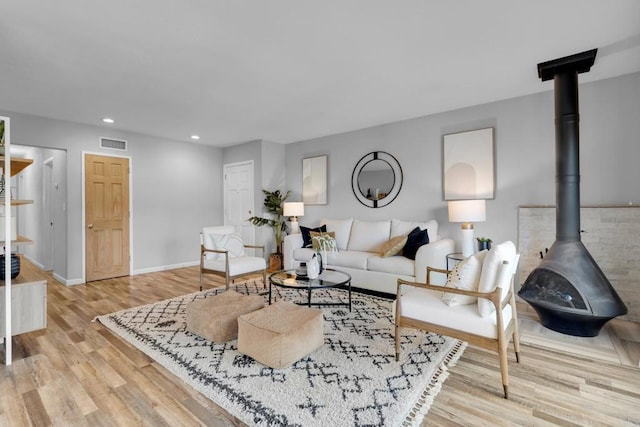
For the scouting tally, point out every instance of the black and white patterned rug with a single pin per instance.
(352, 380)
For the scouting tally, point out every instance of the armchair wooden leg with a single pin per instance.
(516, 344)
(264, 279)
(201, 279)
(396, 321)
(504, 369)
(397, 341)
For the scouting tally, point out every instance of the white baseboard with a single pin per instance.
(69, 282)
(164, 267)
(59, 278)
(33, 261)
(74, 282)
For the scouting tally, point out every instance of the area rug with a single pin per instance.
(352, 380)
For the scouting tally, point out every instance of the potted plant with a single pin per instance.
(1, 137)
(484, 243)
(273, 201)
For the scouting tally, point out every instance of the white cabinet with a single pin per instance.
(28, 304)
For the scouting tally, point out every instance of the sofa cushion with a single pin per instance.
(351, 259)
(505, 251)
(465, 275)
(395, 265)
(368, 236)
(303, 254)
(426, 305)
(399, 228)
(306, 234)
(415, 239)
(342, 228)
(392, 246)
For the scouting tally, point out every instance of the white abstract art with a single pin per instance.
(468, 169)
(314, 180)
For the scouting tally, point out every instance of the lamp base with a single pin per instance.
(467, 241)
(295, 226)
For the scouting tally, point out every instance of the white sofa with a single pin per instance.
(358, 252)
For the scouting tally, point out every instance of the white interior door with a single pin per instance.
(238, 198)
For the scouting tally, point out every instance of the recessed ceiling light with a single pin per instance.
(196, 137)
(108, 120)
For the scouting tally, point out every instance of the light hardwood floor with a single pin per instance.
(77, 373)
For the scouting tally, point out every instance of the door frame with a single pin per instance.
(84, 225)
(253, 189)
(48, 258)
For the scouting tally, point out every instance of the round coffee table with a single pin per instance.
(329, 278)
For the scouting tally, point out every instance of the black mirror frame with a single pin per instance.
(397, 179)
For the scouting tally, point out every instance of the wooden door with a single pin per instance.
(238, 200)
(106, 216)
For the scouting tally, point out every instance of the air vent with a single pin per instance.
(113, 144)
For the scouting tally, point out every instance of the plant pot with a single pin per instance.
(275, 261)
(15, 266)
(483, 245)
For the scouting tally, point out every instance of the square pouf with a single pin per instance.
(216, 317)
(280, 334)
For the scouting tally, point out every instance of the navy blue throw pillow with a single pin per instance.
(306, 234)
(415, 239)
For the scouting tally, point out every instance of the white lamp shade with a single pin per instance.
(293, 209)
(467, 211)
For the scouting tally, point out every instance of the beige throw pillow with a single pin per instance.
(393, 246)
(465, 275)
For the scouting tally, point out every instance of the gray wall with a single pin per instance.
(524, 157)
(177, 186)
(176, 189)
(268, 173)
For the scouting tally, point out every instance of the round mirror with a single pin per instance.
(377, 179)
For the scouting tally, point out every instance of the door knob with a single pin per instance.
(90, 226)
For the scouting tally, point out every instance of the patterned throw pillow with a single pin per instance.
(314, 242)
(465, 275)
(229, 242)
(393, 246)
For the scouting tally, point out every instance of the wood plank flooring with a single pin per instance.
(76, 373)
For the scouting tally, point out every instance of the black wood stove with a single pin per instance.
(568, 289)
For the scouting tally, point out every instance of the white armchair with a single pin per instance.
(222, 253)
(490, 323)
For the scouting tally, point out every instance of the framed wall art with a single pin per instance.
(314, 180)
(467, 165)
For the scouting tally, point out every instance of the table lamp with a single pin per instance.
(467, 212)
(293, 210)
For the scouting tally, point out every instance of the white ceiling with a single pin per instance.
(288, 70)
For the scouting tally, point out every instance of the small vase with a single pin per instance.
(320, 264)
(313, 268)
